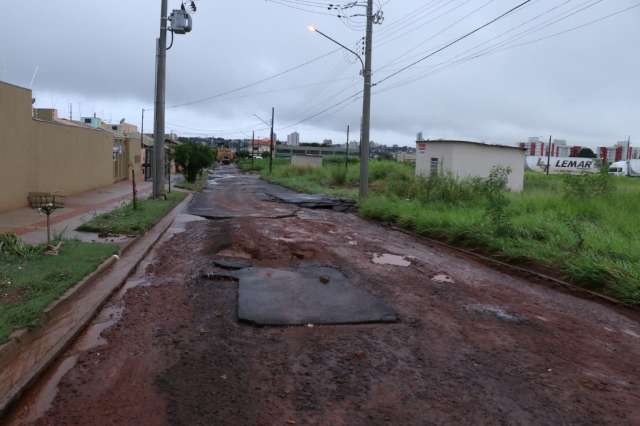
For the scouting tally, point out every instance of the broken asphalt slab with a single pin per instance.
(306, 295)
(309, 201)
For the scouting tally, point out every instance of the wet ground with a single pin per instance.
(472, 345)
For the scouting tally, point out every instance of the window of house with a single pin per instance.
(434, 166)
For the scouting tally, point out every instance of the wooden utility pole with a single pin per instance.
(135, 192)
(158, 133)
(549, 156)
(366, 107)
(346, 156)
(273, 112)
(253, 138)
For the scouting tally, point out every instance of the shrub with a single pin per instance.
(337, 175)
(193, 158)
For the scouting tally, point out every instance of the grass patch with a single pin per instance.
(584, 227)
(196, 186)
(127, 221)
(28, 284)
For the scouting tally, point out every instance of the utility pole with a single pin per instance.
(158, 132)
(366, 107)
(71, 111)
(142, 130)
(273, 113)
(253, 138)
(346, 156)
(549, 156)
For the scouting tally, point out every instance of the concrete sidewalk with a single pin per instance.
(31, 225)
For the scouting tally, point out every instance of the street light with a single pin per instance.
(313, 29)
(366, 98)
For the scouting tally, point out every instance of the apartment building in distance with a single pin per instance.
(293, 139)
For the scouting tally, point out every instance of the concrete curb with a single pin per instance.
(29, 353)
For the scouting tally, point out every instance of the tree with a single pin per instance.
(193, 158)
(587, 153)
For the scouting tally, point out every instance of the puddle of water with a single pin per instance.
(92, 338)
(179, 225)
(443, 278)
(36, 405)
(390, 259)
(497, 312)
(632, 334)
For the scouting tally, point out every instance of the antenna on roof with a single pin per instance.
(35, 74)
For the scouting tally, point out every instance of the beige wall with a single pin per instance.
(44, 156)
(472, 160)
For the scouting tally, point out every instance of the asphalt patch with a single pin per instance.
(231, 264)
(310, 201)
(306, 295)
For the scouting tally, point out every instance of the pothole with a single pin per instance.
(442, 278)
(234, 253)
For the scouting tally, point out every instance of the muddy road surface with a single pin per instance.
(471, 344)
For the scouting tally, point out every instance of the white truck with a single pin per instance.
(625, 168)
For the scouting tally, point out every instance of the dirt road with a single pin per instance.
(473, 345)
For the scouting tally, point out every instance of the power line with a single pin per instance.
(470, 33)
(442, 31)
(254, 83)
(515, 27)
(449, 63)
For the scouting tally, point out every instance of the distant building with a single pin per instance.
(420, 137)
(538, 148)
(621, 151)
(405, 157)
(261, 146)
(327, 142)
(293, 139)
(466, 159)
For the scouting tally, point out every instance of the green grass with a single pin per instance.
(582, 227)
(127, 221)
(31, 283)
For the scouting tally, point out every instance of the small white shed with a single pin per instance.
(470, 159)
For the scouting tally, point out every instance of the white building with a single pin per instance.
(465, 159)
(293, 139)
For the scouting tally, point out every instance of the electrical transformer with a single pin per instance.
(181, 22)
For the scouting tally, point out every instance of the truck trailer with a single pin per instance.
(573, 165)
(625, 168)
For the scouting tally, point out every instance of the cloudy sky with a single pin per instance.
(529, 74)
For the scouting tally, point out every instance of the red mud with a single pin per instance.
(480, 347)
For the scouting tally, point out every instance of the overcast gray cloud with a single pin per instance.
(100, 55)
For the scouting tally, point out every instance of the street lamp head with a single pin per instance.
(312, 28)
